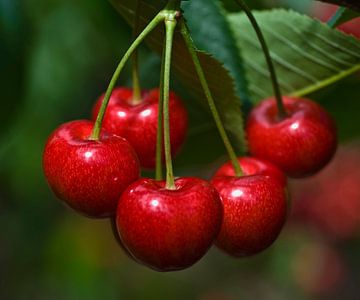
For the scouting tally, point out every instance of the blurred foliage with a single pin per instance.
(56, 57)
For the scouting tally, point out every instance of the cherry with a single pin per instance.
(117, 237)
(165, 229)
(329, 202)
(300, 144)
(324, 11)
(138, 122)
(86, 174)
(252, 166)
(254, 213)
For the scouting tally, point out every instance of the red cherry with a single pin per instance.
(138, 122)
(300, 144)
(117, 237)
(89, 175)
(254, 213)
(169, 230)
(324, 11)
(252, 166)
(329, 202)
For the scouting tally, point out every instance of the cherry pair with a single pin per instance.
(90, 175)
(169, 230)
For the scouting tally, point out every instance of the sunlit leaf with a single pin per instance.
(308, 55)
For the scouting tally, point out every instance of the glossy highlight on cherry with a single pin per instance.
(138, 122)
(300, 144)
(169, 230)
(89, 175)
(252, 166)
(255, 209)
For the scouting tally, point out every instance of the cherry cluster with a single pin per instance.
(94, 167)
(171, 229)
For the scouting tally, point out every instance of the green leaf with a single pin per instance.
(212, 33)
(353, 4)
(220, 81)
(308, 55)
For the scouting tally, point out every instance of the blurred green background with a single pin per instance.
(56, 58)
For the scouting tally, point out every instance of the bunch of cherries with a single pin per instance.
(170, 225)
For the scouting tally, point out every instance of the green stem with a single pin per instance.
(171, 8)
(136, 99)
(281, 108)
(191, 47)
(170, 24)
(97, 127)
(337, 15)
(326, 82)
(159, 134)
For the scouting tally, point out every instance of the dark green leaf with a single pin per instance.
(220, 82)
(212, 33)
(308, 55)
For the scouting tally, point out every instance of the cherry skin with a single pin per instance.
(138, 122)
(117, 237)
(169, 230)
(89, 175)
(300, 144)
(254, 213)
(252, 166)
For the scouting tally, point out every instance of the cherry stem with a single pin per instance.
(336, 16)
(95, 135)
(282, 114)
(170, 24)
(199, 70)
(173, 5)
(136, 99)
(159, 133)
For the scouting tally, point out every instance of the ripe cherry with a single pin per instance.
(138, 122)
(86, 174)
(169, 230)
(300, 144)
(254, 213)
(252, 166)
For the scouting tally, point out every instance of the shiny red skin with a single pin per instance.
(89, 175)
(117, 237)
(301, 144)
(254, 213)
(252, 166)
(169, 230)
(138, 123)
(324, 11)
